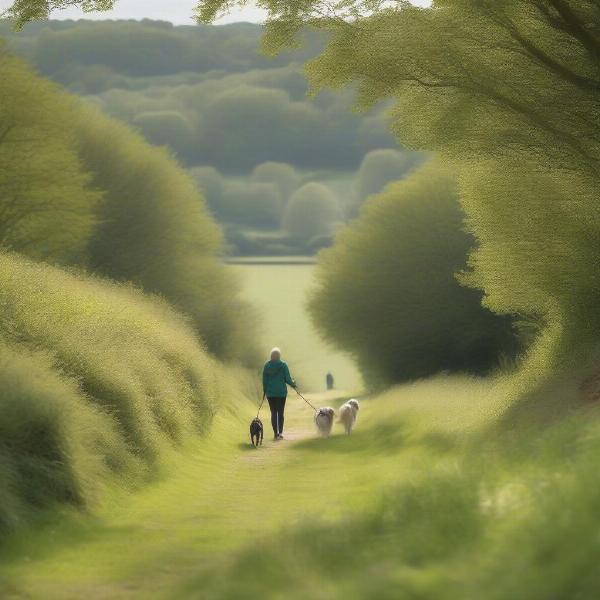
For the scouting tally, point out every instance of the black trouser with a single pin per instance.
(277, 406)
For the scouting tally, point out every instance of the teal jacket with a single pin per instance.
(275, 376)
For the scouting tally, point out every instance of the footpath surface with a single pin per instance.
(215, 499)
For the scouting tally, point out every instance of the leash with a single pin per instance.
(305, 400)
(297, 392)
(261, 403)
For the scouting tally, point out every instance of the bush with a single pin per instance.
(380, 167)
(155, 231)
(312, 211)
(80, 188)
(212, 186)
(387, 291)
(94, 378)
(541, 260)
(47, 208)
(284, 176)
(56, 446)
(252, 203)
(160, 127)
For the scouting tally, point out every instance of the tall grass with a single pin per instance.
(482, 511)
(95, 378)
(56, 446)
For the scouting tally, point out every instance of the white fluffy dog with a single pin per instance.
(348, 413)
(324, 420)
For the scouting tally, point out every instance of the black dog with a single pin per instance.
(256, 432)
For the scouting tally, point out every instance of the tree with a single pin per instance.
(380, 167)
(47, 207)
(502, 86)
(253, 203)
(165, 127)
(509, 91)
(283, 175)
(387, 292)
(312, 211)
(23, 11)
(255, 125)
(155, 231)
(490, 76)
(170, 81)
(212, 186)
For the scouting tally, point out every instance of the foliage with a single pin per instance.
(132, 50)
(212, 186)
(380, 167)
(507, 91)
(160, 127)
(312, 211)
(46, 203)
(24, 11)
(180, 86)
(283, 175)
(236, 115)
(253, 207)
(97, 380)
(192, 88)
(82, 189)
(155, 232)
(387, 291)
(56, 445)
(253, 203)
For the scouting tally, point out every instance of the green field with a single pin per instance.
(279, 291)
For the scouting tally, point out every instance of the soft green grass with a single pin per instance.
(280, 294)
(474, 509)
(97, 381)
(446, 491)
(181, 536)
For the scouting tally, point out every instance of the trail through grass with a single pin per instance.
(222, 497)
(279, 292)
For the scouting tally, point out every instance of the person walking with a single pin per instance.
(276, 378)
(329, 381)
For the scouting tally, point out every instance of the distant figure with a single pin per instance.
(276, 375)
(329, 380)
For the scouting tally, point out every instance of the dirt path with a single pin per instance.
(299, 424)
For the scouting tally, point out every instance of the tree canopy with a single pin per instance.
(506, 90)
(312, 211)
(181, 87)
(387, 292)
(79, 188)
(24, 11)
(47, 207)
(380, 167)
(283, 175)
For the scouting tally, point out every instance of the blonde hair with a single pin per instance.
(275, 350)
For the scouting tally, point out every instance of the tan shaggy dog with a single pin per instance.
(324, 420)
(348, 414)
